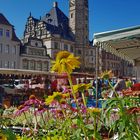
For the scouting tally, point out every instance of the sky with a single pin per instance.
(104, 15)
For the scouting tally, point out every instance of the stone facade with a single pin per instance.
(58, 32)
(79, 25)
(109, 61)
(9, 45)
(34, 55)
(52, 29)
(43, 38)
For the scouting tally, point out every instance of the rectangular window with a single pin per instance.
(14, 50)
(7, 33)
(39, 66)
(46, 66)
(13, 65)
(79, 52)
(71, 48)
(32, 65)
(7, 49)
(6, 65)
(0, 47)
(25, 64)
(1, 32)
(71, 15)
(56, 45)
(66, 47)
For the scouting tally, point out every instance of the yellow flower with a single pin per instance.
(65, 95)
(94, 110)
(3, 137)
(56, 96)
(81, 87)
(18, 137)
(107, 74)
(55, 138)
(65, 62)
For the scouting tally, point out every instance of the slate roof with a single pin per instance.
(14, 37)
(56, 17)
(57, 23)
(4, 21)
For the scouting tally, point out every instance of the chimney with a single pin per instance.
(55, 4)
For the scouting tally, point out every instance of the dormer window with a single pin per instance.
(49, 20)
(7, 33)
(47, 15)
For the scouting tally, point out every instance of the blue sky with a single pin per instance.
(115, 14)
(104, 15)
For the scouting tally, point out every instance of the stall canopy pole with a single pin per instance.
(96, 76)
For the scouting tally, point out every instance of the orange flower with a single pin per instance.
(32, 97)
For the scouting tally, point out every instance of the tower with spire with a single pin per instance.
(58, 32)
(79, 25)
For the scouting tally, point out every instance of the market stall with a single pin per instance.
(124, 43)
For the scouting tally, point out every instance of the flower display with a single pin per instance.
(65, 62)
(64, 115)
(55, 96)
(107, 74)
(81, 87)
(21, 109)
(94, 110)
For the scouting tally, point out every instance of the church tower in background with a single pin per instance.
(79, 25)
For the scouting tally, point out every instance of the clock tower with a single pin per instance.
(79, 25)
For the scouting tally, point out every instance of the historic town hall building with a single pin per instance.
(43, 38)
(58, 32)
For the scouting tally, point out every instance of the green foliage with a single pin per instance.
(125, 124)
(9, 134)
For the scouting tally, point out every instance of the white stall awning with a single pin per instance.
(124, 43)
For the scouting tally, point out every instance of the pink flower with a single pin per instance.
(21, 109)
(32, 102)
(40, 110)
